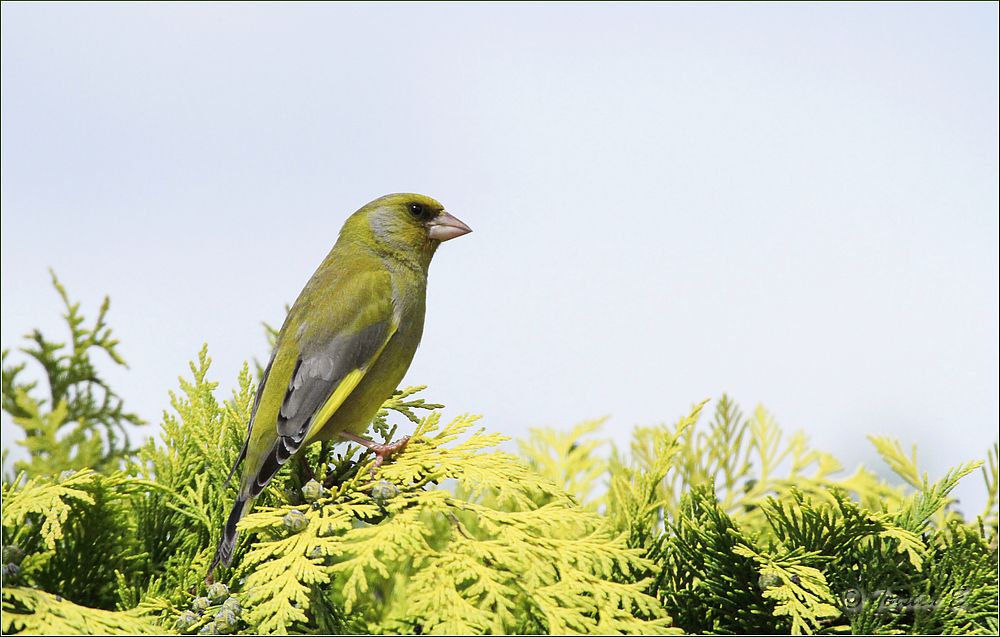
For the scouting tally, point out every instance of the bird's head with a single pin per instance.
(406, 224)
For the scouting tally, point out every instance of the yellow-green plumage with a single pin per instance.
(346, 342)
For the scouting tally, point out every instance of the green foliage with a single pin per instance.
(52, 522)
(178, 519)
(66, 536)
(82, 422)
(791, 552)
(481, 557)
(35, 612)
(568, 460)
(989, 515)
(752, 531)
(729, 527)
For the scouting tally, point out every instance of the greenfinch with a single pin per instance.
(345, 344)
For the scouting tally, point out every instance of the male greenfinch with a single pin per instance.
(345, 344)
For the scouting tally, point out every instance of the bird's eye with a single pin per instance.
(417, 210)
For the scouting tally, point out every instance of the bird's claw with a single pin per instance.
(384, 451)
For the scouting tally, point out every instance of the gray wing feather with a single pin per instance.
(317, 374)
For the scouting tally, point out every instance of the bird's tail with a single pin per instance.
(227, 543)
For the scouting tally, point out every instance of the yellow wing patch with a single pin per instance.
(334, 402)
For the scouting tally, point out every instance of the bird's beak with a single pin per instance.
(444, 227)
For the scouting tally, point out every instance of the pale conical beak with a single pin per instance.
(444, 227)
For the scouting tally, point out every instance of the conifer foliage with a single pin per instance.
(724, 527)
(81, 425)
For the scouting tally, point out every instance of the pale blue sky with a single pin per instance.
(794, 204)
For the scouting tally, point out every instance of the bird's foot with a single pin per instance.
(384, 451)
(381, 451)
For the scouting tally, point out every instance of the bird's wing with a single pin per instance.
(329, 362)
(312, 371)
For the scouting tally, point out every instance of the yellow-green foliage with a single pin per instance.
(81, 423)
(49, 521)
(34, 612)
(481, 556)
(753, 532)
(724, 527)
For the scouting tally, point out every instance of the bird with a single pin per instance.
(345, 345)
